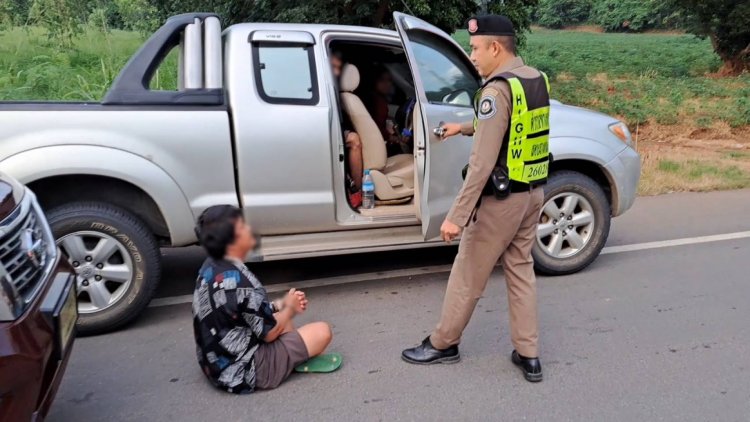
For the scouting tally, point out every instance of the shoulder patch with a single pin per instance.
(491, 89)
(487, 107)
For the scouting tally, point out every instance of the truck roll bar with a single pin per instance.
(198, 36)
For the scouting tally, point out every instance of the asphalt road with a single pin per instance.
(650, 334)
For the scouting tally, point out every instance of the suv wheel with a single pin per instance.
(573, 225)
(116, 258)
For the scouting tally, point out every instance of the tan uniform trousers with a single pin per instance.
(504, 228)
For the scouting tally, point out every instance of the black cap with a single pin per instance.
(490, 25)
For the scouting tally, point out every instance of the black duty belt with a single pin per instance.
(517, 187)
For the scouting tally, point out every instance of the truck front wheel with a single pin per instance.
(573, 224)
(116, 258)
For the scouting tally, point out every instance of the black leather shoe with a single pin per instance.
(425, 354)
(531, 367)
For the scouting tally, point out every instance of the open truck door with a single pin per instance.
(445, 81)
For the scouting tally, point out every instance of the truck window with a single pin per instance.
(285, 73)
(446, 77)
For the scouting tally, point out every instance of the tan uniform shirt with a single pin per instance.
(494, 115)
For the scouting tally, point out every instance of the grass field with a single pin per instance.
(647, 77)
(33, 69)
(693, 129)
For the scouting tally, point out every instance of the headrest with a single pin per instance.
(349, 78)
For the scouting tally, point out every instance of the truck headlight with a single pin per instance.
(622, 132)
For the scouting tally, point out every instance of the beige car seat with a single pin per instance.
(393, 176)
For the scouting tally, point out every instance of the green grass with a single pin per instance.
(669, 166)
(647, 77)
(698, 169)
(693, 173)
(737, 155)
(644, 77)
(32, 68)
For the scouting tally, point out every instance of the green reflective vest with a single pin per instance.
(525, 151)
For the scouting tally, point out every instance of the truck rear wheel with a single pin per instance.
(573, 225)
(116, 258)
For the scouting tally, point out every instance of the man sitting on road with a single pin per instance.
(243, 340)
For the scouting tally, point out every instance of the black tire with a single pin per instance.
(141, 246)
(573, 182)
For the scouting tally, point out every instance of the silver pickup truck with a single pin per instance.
(256, 121)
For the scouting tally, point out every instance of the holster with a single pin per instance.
(498, 184)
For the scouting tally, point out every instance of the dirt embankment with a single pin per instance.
(689, 158)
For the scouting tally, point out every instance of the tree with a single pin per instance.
(237, 11)
(61, 18)
(561, 13)
(518, 11)
(233, 11)
(726, 23)
(447, 15)
(631, 15)
(137, 15)
(14, 12)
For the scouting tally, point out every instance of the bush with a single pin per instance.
(14, 12)
(519, 12)
(561, 13)
(98, 20)
(631, 15)
(59, 17)
(138, 15)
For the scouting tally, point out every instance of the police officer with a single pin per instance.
(501, 198)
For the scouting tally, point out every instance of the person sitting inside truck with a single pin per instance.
(352, 140)
(244, 341)
(377, 104)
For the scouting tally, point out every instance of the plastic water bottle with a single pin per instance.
(368, 192)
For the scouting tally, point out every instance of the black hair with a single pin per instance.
(215, 229)
(508, 42)
(366, 91)
(378, 71)
(337, 54)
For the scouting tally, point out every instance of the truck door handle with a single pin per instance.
(440, 130)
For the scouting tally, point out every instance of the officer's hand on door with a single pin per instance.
(446, 130)
(449, 231)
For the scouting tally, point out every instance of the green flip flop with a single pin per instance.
(328, 362)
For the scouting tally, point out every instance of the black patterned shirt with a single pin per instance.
(231, 317)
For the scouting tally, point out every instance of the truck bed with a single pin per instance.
(180, 155)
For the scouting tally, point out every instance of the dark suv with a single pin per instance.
(38, 309)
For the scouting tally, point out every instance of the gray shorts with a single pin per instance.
(275, 361)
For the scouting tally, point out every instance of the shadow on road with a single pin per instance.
(180, 266)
